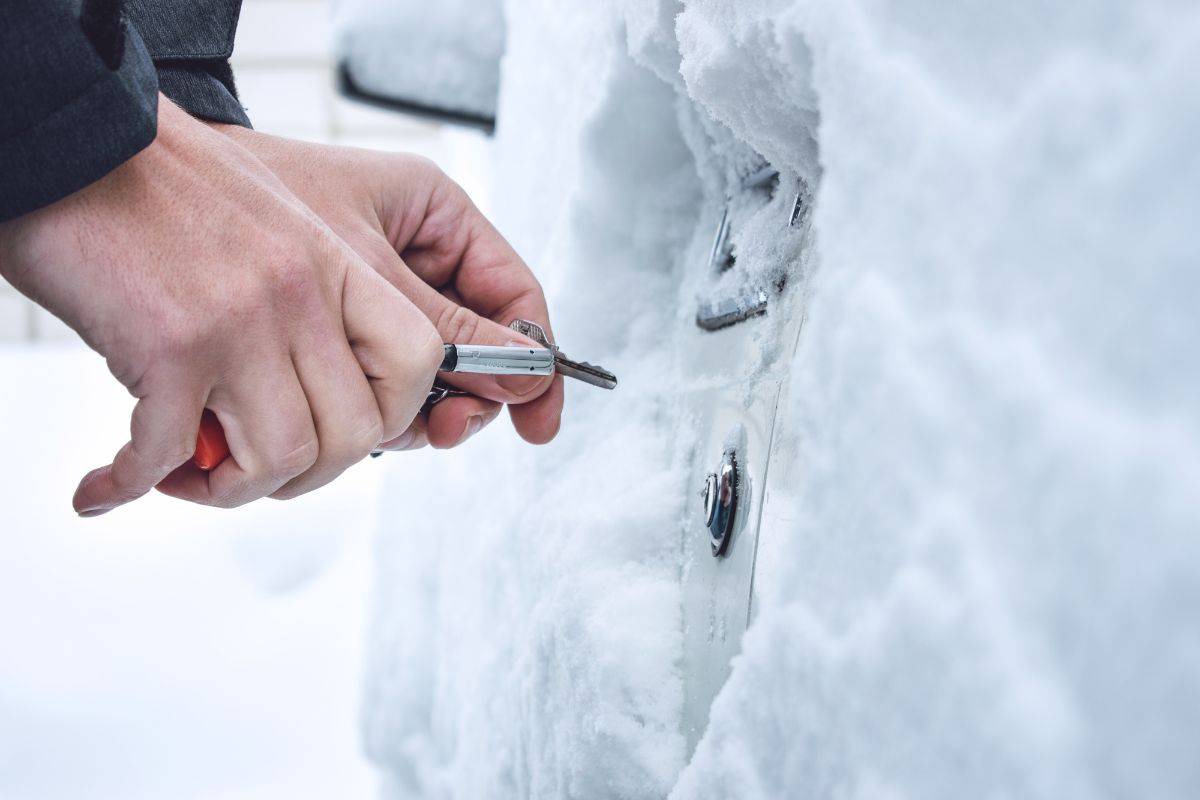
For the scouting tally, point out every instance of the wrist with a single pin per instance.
(54, 234)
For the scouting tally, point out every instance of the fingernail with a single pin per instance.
(94, 512)
(518, 385)
(474, 425)
(401, 442)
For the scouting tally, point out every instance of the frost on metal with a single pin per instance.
(977, 573)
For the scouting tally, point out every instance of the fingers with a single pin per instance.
(344, 412)
(456, 419)
(484, 286)
(351, 383)
(535, 404)
(447, 424)
(397, 348)
(458, 249)
(538, 421)
(414, 438)
(162, 436)
(366, 386)
(460, 325)
(272, 438)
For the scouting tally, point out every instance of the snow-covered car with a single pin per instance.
(897, 298)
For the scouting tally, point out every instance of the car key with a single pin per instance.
(588, 373)
(487, 359)
(580, 370)
(212, 448)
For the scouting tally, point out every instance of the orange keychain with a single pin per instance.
(211, 447)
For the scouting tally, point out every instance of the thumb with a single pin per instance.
(458, 324)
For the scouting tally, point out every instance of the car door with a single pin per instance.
(738, 349)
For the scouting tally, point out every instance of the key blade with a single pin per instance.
(583, 371)
(579, 370)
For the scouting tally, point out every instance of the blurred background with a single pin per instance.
(167, 650)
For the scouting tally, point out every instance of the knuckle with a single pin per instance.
(423, 165)
(428, 352)
(355, 443)
(230, 498)
(127, 368)
(164, 458)
(181, 334)
(291, 284)
(457, 323)
(349, 446)
(175, 454)
(232, 495)
(295, 460)
(396, 421)
(126, 490)
(380, 255)
(368, 438)
(288, 492)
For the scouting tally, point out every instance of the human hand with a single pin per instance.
(420, 230)
(206, 283)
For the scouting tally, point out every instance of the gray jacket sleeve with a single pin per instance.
(190, 42)
(79, 82)
(78, 97)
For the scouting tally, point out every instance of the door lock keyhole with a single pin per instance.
(720, 494)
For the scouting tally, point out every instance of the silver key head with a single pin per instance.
(533, 331)
(579, 370)
(491, 360)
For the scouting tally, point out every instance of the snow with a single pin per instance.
(442, 55)
(503, 659)
(978, 567)
(166, 650)
(989, 588)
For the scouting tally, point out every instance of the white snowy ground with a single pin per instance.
(989, 454)
(165, 650)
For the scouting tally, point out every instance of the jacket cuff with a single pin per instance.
(81, 142)
(194, 88)
(190, 42)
